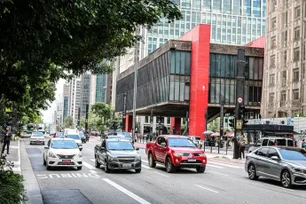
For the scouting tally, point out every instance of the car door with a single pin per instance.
(101, 154)
(159, 148)
(274, 167)
(261, 160)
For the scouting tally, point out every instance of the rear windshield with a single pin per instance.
(38, 134)
(75, 137)
(290, 143)
(281, 142)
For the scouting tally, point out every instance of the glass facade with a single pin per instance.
(65, 112)
(101, 88)
(223, 72)
(232, 22)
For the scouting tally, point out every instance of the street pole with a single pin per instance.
(136, 65)
(124, 111)
(79, 117)
(221, 125)
(86, 118)
(239, 99)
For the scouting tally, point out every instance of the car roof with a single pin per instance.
(63, 138)
(276, 138)
(117, 139)
(288, 148)
(174, 136)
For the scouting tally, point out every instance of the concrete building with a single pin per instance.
(284, 75)
(65, 100)
(74, 98)
(85, 92)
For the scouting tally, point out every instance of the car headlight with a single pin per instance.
(178, 154)
(80, 155)
(202, 155)
(52, 155)
(300, 170)
(111, 158)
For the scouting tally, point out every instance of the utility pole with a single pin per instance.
(221, 125)
(86, 120)
(79, 117)
(136, 66)
(239, 99)
(124, 111)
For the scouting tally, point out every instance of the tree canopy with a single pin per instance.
(42, 40)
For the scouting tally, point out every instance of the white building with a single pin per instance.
(74, 98)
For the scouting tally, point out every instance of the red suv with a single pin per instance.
(176, 152)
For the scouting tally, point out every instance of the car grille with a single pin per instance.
(61, 156)
(67, 164)
(126, 159)
(186, 154)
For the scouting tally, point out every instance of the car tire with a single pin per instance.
(43, 143)
(45, 162)
(48, 167)
(79, 167)
(97, 164)
(286, 179)
(201, 169)
(106, 169)
(169, 167)
(137, 170)
(252, 172)
(151, 160)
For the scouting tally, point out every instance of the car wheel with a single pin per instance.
(138, 170)
(286, 179)
(45, 162)
(106, 169)
(201, 169)
(43, 143)
(152, 162)
(97, 164)
(79, 167)
(169, 167)
(252, 172)
(48, 167)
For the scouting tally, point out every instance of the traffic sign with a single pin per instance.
(239, 124)
(239, 99)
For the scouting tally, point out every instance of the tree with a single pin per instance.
(68, 122)
(214, 125)
(102, 110)
(115, 122)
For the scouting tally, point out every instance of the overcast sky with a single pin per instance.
(48, 114)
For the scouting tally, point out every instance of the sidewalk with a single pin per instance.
(22, 165)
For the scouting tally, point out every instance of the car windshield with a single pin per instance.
(293, 154)
(64, 144)
(180, 142)
(59, 134)
(75, 137)
(112, 137)
(119, 145)
(38, 134)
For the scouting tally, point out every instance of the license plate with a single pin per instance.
(66, 161)
(192, 160)
(126, 165)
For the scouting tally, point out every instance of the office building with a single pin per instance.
(284, 76)
(85, 92)
(74, 98)
(66, 100)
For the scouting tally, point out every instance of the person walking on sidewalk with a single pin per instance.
(7, 141)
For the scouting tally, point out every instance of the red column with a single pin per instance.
(199, 77)
(176, 123)
(128, 123)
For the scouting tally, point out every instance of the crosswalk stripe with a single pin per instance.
(88, 165)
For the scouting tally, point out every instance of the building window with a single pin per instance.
(303, 71)
(285, 58)
(273, 42)
(297, 33)
(273, 5)
(285, 19)
(271, 98)
(284, 38)
(296, 75)
(296, 54)
(272, 61)
(283, 96)
(295, 94)
(284, 78)
(273, 23)
(297, 12)
(272, 79)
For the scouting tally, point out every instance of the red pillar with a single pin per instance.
(128, 123)
(176, 123)
(199, 77)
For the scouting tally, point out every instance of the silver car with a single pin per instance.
(285, 164)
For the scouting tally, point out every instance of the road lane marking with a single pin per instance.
(218, 173)
(145, 161)
(93, 171)
(161, 174)
(146, 167)
(227, 165)
(125, 191)
(208, 189)
(88, 165)
(219, 167)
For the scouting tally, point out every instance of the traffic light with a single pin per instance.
(241, 112)
(231, 122)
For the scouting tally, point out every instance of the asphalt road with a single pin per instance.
(223, 182)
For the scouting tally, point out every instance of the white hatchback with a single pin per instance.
(62, 152)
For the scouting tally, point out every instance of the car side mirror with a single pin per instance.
(46, 147)
(275, 158)
(137, 148)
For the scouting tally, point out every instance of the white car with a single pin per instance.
(76, 137)
(37, 138)
(62, 152)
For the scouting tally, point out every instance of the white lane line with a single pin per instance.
(146, 167)
(219, 167)
(161, 174)
(93, 171)
(227, 165)
(88, 165)
(145, 161)
(218, 173)
(208, 189)
(125, 191)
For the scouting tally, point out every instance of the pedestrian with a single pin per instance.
(7, 141)
(241, 147)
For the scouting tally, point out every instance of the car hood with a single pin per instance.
(124, 153)
(65, 151)
(187, 149)
(297, 163)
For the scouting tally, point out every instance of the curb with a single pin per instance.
(30, 181)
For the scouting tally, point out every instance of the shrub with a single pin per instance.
(11, 185)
